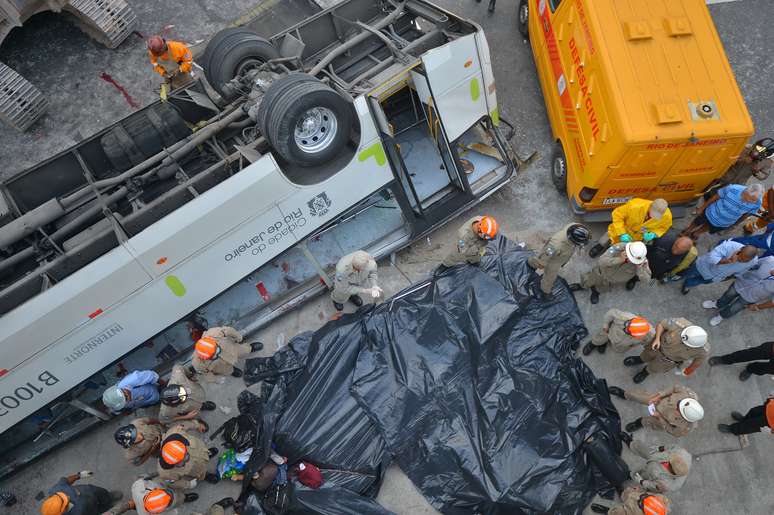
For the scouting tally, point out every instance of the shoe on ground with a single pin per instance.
(236, 373)
(632, 361)
(212, 451)
(575, 287)
(491, 6)
(211, 478)
(616, 391)
(625, 438)
(356, 300)
(634, 426)
(226, 502)
(587, 348)
(715, 321)
(737, 416)
(709, 304)
(631, 283)
(594, 298)
(256, 346)
(338, 305)
(208, 406)
(205, 426)
(744, 375)
(725, 428)
(596, 250)
(641, 376)
(715, 360)
(601, 348)
(116, 496)
(598, 508)
(684, 290)
(191, 497)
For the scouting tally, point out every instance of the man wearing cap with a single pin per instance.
(762, 355)
(150, 496)
(617, 265)
(637, 220)
(752, 291)
(472, 239)
(141, 438)
(183, 459)
(557, 252)
(675, 410)
(759, 419)
(677, 344)
(635, 501)
(624, 331)
(355, 275)
(218, 351)
(182, 398)
(726, 260)
(138, 389)
(66, 497)
(666, 467)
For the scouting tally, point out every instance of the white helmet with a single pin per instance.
(691, 410)
(694, 336)
(637, 252)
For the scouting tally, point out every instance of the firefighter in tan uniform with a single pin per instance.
(182, 398)
(557, 252)
(617, 265)
(218, 351)
(677, 344)
(184, 458)
(141, 438)
(150, 496)
(635, 501)
(624, 331)
(472, 239)
(666, 467)
(675, 410)
(356, 274)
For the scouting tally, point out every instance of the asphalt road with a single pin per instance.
(68, 66)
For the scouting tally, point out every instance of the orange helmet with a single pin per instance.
(157, 45)
(173, 452)
(652, 505)
(156, 501)
(637, 327)
(487, 228)
(207, 347)
(55, 504)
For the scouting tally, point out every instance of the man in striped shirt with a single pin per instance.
(726, 208)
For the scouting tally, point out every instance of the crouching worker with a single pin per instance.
(635, 501)
(217, 352)
(150, 496)
(472, 239)
(355, 275)
(141, 439)
(182, 398)
(184, 458)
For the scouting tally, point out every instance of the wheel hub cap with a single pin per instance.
(315, 129)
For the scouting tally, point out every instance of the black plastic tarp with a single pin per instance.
(469, 381)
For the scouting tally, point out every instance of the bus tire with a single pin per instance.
(522, 18)
(275, 90)
(308, 124)
(234, 54)
(559, 168)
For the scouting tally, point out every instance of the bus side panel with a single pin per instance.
(490, 89)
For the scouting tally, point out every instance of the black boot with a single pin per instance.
(634, 426)
(725, 428)
(236, 373)
(587, 349)
(631, 283)
(598, 508)
(576, 287)
(602, 348)
(208, 406)
(211, 478)
(617, 391)
(356, 300)
(626, 438)
(632, 361)
(256, 346)
(641, 376)
(594, 298)
(191, 497)
(338, 305)
(212, 451)
(492, 5)
(744, 375)
(596, 250)
(716, 360)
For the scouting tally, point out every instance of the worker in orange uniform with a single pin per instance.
(472, 239)
(637, 220)
(171, 59)
(636, 501)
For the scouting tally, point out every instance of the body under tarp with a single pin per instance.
(468, 380)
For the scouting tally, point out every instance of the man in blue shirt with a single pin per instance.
(726, 208)
(727, 259)
(763, 241)
(753, 290)
(137, 390)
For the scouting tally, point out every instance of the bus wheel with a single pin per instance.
(559, 168)
(523, 18)
(308, 123)
(233, 52)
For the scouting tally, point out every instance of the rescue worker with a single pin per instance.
(727, 207)
(182, 398)
(557, 252)
(141, 438)
(677, 344)
(620, 263)
(150, 496)
(218, 351)
(623, 330)
(675, 410)
(666, 467)
(727, 259)
(65, 497)
(766, 214)
(637, 220)
(184, 458)
(759, 419)
(356, 274)
(762, 355)
(670, 255)
(171, 59)
(635, 501)
(472, 239)
(138, 389)
(754, 161)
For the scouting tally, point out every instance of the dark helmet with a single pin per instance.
(173, 395)
(126, 435)
(763, 149)
(579, 234)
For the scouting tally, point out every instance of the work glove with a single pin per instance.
(625, 238)
(681, 372)
(85, 473)
(649, 236)
(376, 292)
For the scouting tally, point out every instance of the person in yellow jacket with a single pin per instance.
(637, 220)
(171, 59)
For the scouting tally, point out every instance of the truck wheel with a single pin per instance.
(523, 18)
(559, 168)
(277, 89)
(308, 124)
(234, 54)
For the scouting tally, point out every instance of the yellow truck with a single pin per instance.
(640, 95)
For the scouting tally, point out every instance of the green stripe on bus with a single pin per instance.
(475, 92)
(495, 115)
(376, 151)
(175, 285)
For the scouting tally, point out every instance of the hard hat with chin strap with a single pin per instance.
(207, 348)
(114, 398)
(126, 435)
(636, 252)
(157, 500)
(691, 410)
(55, 504)
(637, 327)
(652, 505)
(694, 336)
(487, 228)
(173, 395)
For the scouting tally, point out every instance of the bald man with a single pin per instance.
(670, 254)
